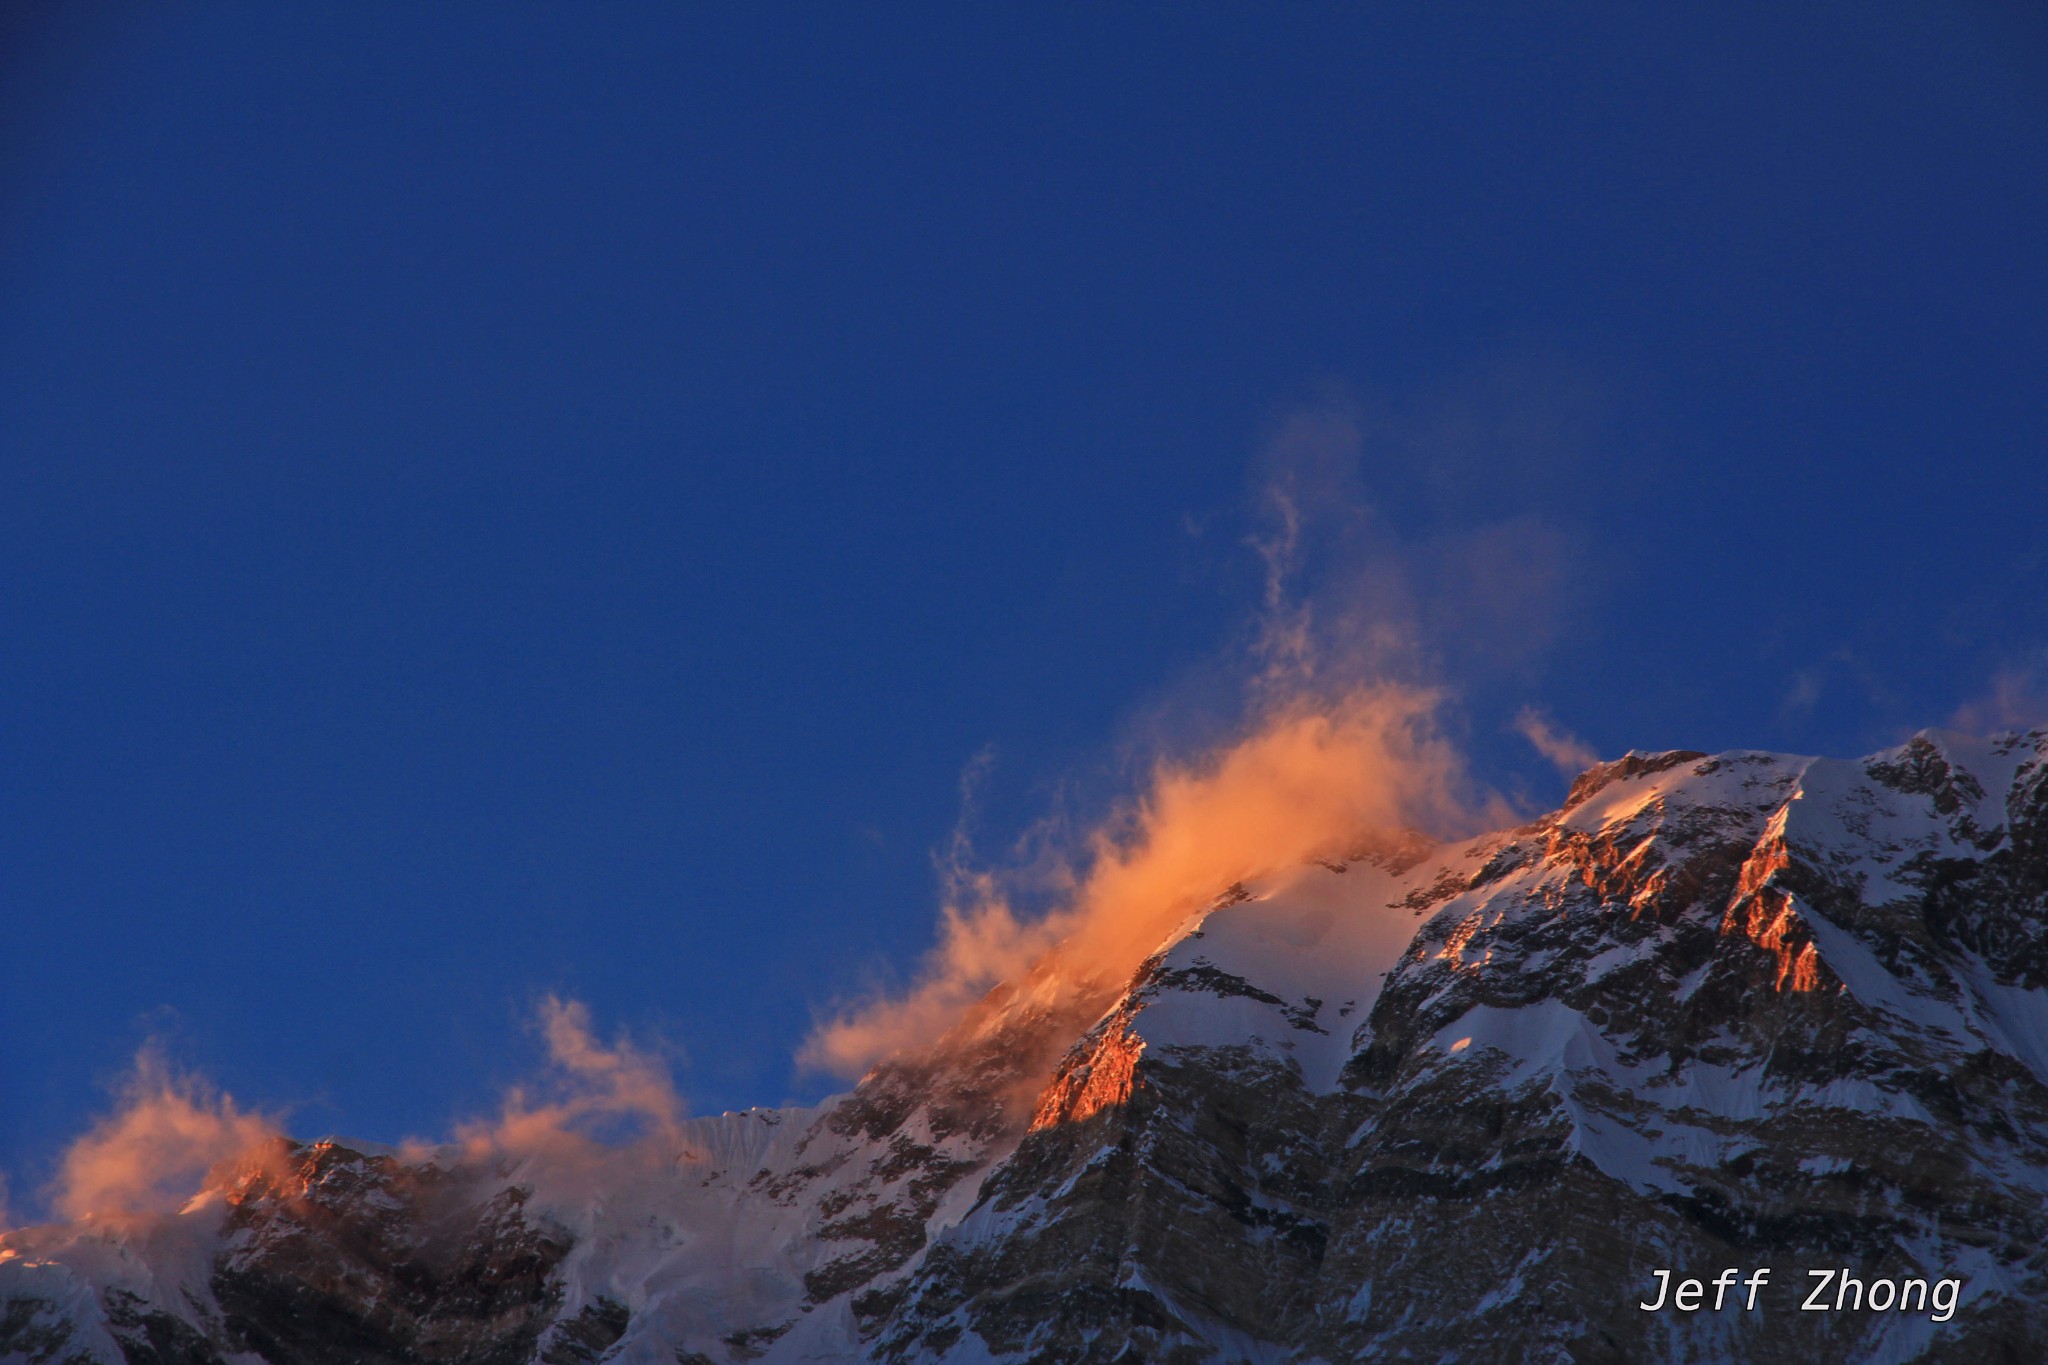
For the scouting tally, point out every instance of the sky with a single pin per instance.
(519, 502)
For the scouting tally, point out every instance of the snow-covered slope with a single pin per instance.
(1424, 1102)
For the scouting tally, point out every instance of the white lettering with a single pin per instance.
(1663, 1288)
(1812, 1304)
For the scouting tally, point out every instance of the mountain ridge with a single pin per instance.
(1431, 1101)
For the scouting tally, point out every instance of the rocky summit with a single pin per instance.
(1735, 1057)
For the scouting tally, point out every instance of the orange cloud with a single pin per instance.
(154, 1152)
(1311, 778)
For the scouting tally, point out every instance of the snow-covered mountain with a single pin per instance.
(1429, 1102)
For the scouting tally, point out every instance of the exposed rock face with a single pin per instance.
(1433, 1103)
(344, 1257)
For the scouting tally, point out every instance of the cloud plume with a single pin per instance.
(591, 1093)
(1309, 778)
(155, 1150)
(1343, 735)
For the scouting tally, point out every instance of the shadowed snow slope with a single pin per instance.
(1443, 1102)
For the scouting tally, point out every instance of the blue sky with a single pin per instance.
(522, 499)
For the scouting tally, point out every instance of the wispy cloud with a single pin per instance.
(1842, 678)
(1351, 590)
(589, 1093)
(2015, 698)
(594, 1102)
(1567, 753)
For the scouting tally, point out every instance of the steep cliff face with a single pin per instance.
(1433, 1102)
